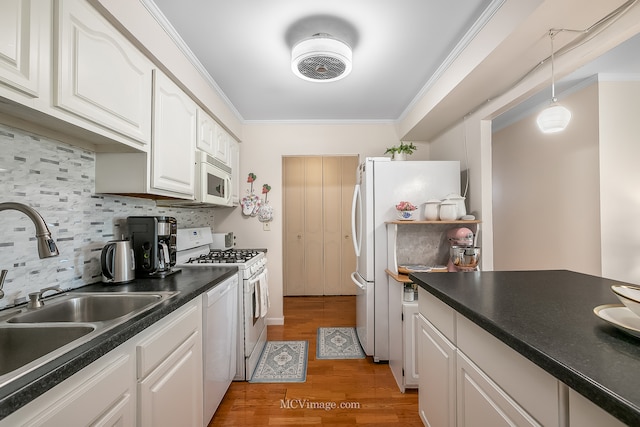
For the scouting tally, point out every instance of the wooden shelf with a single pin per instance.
(403, 278)
(475, 221)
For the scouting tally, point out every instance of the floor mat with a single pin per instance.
(282, 362)
(338, 343)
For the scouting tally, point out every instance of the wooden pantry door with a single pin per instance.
(318, 253)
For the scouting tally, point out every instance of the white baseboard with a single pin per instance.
(274, 321)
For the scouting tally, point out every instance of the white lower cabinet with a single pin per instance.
(481, 402)
(101, 394)
(153, 379)
(170, 375)
(583, 413)
(437, 383)
(470, 378)
(403, 327)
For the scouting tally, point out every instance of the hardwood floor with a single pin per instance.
(367, 389)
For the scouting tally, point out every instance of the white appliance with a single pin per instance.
(220, 329)
(381, 184)
(194, 251)
(212, 184)
(222, 241)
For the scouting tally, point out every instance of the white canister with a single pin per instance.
(448, 210)
(409, 293)
(432, 210)
(460, 206)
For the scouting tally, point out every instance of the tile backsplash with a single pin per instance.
(58, 180)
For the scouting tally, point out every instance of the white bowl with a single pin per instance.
(629, 296)
(407, 215)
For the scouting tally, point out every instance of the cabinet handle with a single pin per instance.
(299, 236)
(346, 236)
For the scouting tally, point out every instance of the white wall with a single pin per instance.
(546, 192)
(261, 152)
(619, 110)
(477, 123)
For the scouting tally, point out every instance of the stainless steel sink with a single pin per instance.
(30, 338)
(97, 307)
(20, 346)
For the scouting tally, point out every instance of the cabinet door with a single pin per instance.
(234, 154)
(332, 225)
(99, 395)
(207, 133)
(20, 48)
(437, 382)
(481, 402)
(396, 358)
(100, 75)
(174, 138)
(221, 146)
(171, 395)
(410, 328)
(293, 201)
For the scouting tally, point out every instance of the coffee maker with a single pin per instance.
(154, 244)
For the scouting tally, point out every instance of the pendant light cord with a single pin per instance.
(552, 34)
(587, 34)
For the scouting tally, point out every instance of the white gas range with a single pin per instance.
(194, 250)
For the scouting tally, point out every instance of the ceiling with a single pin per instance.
(621, 62)
(244, 48)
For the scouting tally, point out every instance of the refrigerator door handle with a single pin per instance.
(356, 203)
(355, 280)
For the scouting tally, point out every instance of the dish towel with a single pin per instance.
(261, 296)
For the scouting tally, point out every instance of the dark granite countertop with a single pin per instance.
(190, 282)
(547, 316)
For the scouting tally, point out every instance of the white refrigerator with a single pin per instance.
(381, 184)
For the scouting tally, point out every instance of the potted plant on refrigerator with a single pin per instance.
(401, 151)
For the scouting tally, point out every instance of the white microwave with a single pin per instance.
(212, 184)
(213, 181)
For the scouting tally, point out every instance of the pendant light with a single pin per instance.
(555, 117)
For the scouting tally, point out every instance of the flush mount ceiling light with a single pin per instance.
(555, 117)
(321, 58)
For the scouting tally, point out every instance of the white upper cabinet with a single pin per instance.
(24, 29)
(99, 75)
(174, 137)
(234, 156)
(223, 140)
(207, 133)
(213, 139)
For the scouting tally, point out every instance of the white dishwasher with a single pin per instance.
(219, 342)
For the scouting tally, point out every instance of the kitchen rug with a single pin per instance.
(338, 343)
(282, 362)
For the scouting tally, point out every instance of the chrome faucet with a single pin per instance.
(3, 275)
(35, 298)
(46, 245)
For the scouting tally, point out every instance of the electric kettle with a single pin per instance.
(118, 263)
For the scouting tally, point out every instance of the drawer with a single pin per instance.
(166, 336)
(438, 314)
(530, 386)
